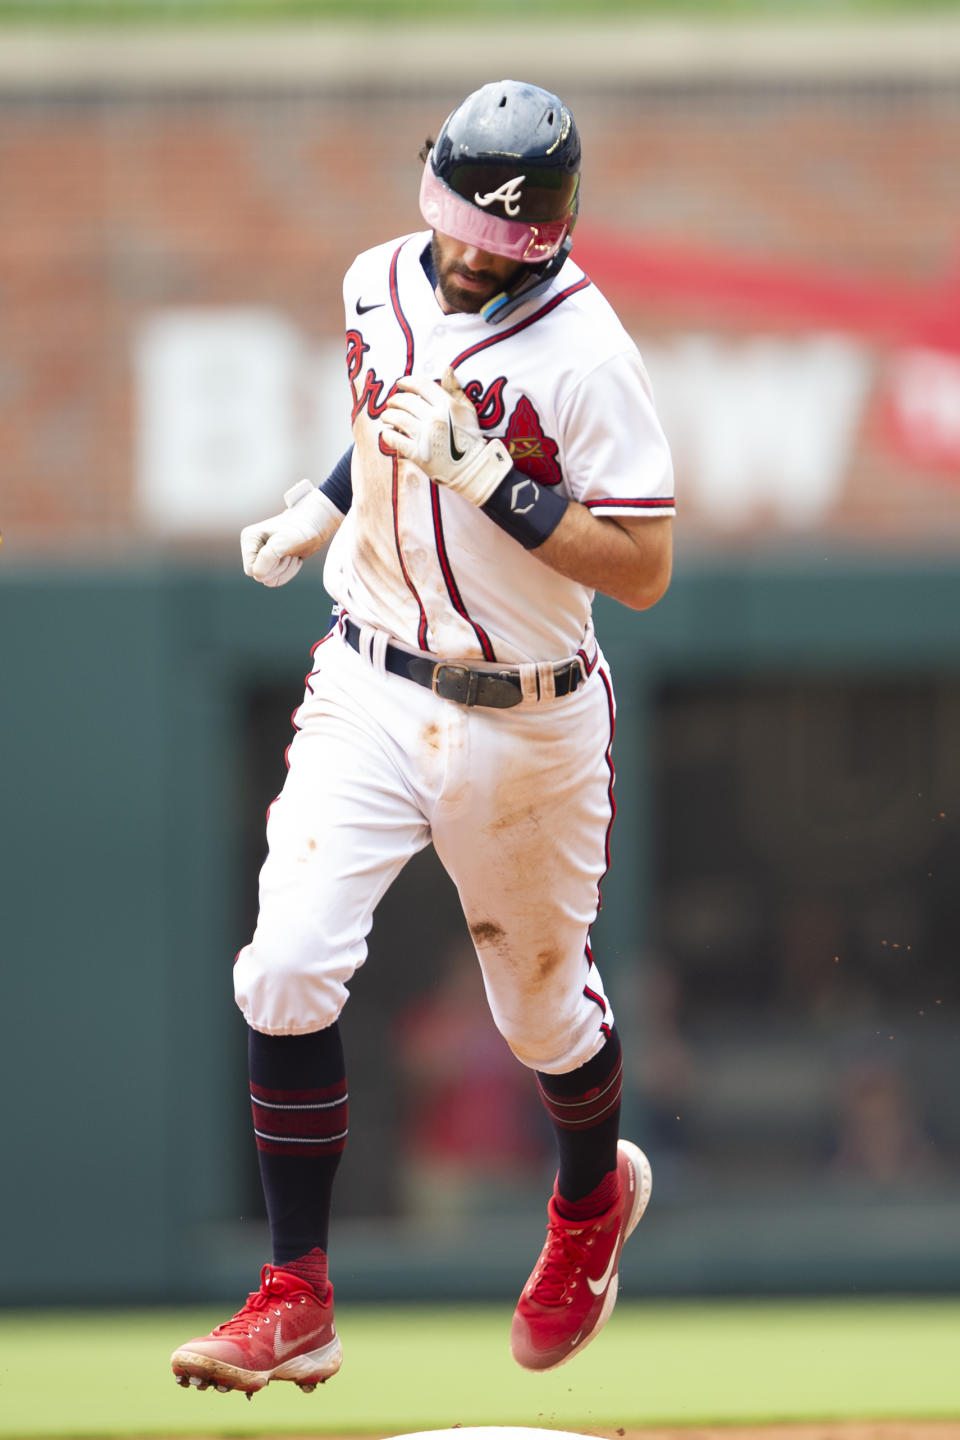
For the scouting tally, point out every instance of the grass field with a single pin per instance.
(91, 1373)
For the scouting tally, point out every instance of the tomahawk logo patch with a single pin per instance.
(531, 451)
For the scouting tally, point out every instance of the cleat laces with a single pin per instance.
(250, 1316)
(561, 1262)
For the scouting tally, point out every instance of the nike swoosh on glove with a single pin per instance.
(436, 427)
(274, 550)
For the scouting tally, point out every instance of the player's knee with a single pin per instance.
(541, 1051)
(288, 990)
(554, 1049)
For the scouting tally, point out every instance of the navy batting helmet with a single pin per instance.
(504, 173)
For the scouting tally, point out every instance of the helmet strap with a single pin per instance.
(529, 285)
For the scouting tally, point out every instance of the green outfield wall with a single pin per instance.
(128, 809)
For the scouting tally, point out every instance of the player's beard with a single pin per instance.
(471, 301)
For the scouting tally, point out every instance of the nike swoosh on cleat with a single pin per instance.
(362, 309)
(282, 1348)
(455, 454)
(598, 1286)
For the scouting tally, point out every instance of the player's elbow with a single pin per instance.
(645, 576)
(643, 599)
(647, 584)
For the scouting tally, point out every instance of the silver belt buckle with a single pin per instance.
(455, 682)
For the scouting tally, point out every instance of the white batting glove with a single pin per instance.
(274, 550)
(437, 428)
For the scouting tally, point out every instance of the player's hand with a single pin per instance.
(274, 550)
(437, 428)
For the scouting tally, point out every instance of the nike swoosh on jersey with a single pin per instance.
(362, 309)
(455, 454)
(598, 1286)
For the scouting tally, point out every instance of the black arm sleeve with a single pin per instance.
(338, 486)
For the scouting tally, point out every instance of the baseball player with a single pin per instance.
(507, 463)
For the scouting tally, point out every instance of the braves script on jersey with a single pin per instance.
(562, 383)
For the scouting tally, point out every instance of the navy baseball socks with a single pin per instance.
(298, 1095)
(601, 1190)
(285, 1330)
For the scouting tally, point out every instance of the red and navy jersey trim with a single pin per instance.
(402, 320)
(404, 323)
(523, 324)
(657, 502)
(453, 591)
(422, 625)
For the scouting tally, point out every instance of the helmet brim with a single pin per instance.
(529, 243)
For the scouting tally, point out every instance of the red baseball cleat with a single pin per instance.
(573, 1289)
(283, 1332)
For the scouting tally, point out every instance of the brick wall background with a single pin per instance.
(118, 205)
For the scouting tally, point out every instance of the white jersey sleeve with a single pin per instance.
(617, 460)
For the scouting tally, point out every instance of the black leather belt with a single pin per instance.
(499, 689)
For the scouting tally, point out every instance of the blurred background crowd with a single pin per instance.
(772, 204)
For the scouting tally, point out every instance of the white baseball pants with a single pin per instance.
(518, 805)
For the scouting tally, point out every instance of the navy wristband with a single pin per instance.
(526, 510)
(338, 485)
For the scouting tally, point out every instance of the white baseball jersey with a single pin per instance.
(562, 383)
